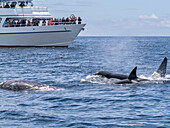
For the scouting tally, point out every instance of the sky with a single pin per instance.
(115, 17)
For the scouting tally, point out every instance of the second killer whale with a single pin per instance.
(22, 85)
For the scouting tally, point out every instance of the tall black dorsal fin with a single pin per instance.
(133, 74)
(162, 68)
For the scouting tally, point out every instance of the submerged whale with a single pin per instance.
(21, 85)
(132, 78)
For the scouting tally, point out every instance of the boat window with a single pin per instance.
(1, 5)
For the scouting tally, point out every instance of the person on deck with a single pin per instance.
(6, 6)
(23, 23)
(13, 4)
(29, 23)
(63, 21)
(9, 23)
(13, 23)
(44, 23)
(75, 19)
(37, 22)
(6, 23)
(60, 21)
(55, 21)
(22, 4)
(18, 24)
(79, 20)
(32, 22)
(48, 23)
(72, 20)
(67, 20)
(51, 21)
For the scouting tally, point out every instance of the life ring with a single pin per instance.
(72, 16)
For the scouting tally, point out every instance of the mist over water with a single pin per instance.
(84, 100)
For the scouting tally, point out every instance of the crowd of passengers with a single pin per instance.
(36, 22)
(13, 4)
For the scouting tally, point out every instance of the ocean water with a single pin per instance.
(83, 100)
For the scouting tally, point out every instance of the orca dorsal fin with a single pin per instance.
(162, 68)
(133, 74)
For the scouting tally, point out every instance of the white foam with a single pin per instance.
(47, 88)
(96, 79)
(155, 75)
(168, 76)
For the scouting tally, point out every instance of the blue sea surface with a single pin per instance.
(81, 103)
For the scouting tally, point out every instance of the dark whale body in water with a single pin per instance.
(21, 85)
(110, 75)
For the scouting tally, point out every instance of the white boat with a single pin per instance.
(39, 34)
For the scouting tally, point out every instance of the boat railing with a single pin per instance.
(33, 7)
(27, 7)
(39, 24)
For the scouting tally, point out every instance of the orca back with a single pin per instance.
(110, 75)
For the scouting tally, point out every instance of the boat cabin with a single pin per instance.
(19, 10)
(22, 13)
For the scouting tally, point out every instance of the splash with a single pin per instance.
(156, 79)
(155, 76)
(47, 88)
(168, 76)
(97, 79)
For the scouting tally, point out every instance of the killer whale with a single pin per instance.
(161, 71)
(21, 85)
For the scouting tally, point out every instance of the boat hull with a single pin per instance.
(59, 35)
